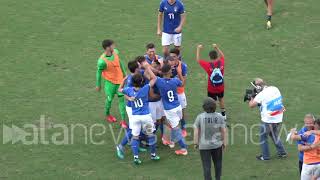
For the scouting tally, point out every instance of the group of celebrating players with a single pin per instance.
(154, 91)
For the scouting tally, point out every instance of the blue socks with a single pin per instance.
(152, 144)
(176, 136)
(135, 147)
(126, 138)
(183, 124)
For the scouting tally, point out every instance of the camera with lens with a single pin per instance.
(252, 92)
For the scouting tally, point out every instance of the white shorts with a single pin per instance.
(138, 121)
(174, 116)
(156, 110)
(183, 100)
(308, 171)
(168, 39)
(129, 112)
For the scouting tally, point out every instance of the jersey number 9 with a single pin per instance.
(170, 96)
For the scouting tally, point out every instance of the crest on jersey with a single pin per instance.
(175, 9)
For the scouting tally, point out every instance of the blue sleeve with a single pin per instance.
(178, 82)
(125, 91)
(184, 69)
(300, 132)
(181, 8)
(161, 8)
(146, 89)
(157, 82)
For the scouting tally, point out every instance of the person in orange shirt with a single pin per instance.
(311, 149)
(112, 69)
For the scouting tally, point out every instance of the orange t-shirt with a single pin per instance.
(113, 72)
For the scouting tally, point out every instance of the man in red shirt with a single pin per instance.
(215, 71)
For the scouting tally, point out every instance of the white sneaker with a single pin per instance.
(171, 145)
(269, 25)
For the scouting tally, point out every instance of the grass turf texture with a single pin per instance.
(48, 58)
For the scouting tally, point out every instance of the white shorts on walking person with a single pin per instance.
(168, 39)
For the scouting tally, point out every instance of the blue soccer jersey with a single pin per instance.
(140, 106)
(168, 92)
(156, 92)
(129, 84)
(171, 14)
(184, 70)
(301, 132)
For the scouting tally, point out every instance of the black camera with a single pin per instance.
(250, 93)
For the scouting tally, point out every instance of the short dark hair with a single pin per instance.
(132, 66)
(137, 80)
(150, 46)
(165, 68)
(140, 59)
(175, 51)
(169, 58)
(317, 121)
(107, 43)
(213, 54)
(209, 105)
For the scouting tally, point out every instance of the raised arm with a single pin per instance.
(153, 77)
(215, 46)
(180, 76)
(199, 47)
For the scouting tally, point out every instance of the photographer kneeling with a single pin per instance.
(269, 100)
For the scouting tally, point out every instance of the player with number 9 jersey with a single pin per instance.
(172, 108)
(168, 92)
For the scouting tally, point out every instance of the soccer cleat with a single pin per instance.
(111, 119)
(123, 124)
(171, 145)
(269, 25)
(283, 155)
(165, 141)
(184, 133)
(120, 152)
(261, 158)
(181, 152)
(137, 161)
(155, 157)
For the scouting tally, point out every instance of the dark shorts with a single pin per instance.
(215, 96)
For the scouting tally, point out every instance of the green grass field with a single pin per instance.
(48, 55)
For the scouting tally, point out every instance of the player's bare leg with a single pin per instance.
(165, 50)
(183, 123)
(179, 47)
(223, 110)
(269, 4)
